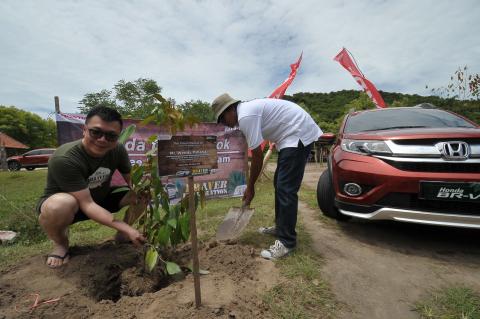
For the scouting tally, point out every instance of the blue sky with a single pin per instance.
(200, 49)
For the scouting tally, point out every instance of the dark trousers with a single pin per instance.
(288, 178)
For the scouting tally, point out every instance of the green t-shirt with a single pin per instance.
(71, 169)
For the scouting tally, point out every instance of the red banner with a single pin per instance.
(344, 59)
(279, 92)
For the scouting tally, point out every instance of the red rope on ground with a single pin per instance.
(37, 304)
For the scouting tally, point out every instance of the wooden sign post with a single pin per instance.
(189, 156)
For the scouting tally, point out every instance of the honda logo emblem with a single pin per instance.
(454, 150)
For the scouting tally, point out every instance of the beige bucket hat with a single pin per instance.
(221, 103)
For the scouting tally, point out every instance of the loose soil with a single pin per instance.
(380, 269)
(104, 282)
(375, 269)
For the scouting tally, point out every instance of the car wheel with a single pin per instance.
(29, 168)
(326, 197)
(14, 166)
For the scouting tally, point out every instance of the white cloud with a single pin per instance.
(199, 49)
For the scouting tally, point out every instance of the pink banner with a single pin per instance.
(345, 60)
(228, 180)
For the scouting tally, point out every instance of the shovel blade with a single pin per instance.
(234, 223)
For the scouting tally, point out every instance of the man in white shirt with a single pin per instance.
(293, 131)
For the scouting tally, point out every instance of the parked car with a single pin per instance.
(412, 164)
(30, 160)
(171, 191)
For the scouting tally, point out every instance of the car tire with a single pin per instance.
(326, 197)
(29, 168)
(14, 166)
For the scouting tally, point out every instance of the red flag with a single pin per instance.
(344, 59)
(279, 92)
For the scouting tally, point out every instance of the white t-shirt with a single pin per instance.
(278, 121)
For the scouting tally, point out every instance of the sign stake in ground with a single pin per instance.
(193, 234)
(189, 156)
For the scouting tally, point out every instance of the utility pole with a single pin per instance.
(3, 158)
(57, 105)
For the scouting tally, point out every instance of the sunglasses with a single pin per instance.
(96, 133)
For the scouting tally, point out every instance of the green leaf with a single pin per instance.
(172, 222)
(164, 201)
(184, 222)
(154, 169)
(164, 235)
(176, 211)
(156, 214)
(148, 120)
(156, 201)
(120, 189)
(176, 236)
(200, 271)
(185, 203)
(137, 173)
(151, 259)
(157, 185)
(160, 116)
(126, 133)
(172, 268)
(152, 138)
(160, 98)
(151, 152)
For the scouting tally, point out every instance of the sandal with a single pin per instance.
(62, 258)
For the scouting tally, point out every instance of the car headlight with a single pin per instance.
(366, 147)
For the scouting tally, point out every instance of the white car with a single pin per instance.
(171, 190)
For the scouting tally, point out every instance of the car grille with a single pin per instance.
(411, 201)
(429, 142)
(436, 167)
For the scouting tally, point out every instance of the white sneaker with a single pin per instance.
(277, 250)
(268, 230)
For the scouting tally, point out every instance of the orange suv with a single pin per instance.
(411, 164)
(30, 160)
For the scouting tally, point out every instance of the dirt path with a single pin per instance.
(379, 269)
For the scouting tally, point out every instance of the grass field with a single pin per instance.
(449, 303)
(304, 294)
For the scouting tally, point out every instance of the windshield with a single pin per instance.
(402, 119)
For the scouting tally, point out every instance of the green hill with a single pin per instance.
(328, 109)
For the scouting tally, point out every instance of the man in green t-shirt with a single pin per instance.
(78, 184)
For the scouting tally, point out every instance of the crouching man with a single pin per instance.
(78, 185)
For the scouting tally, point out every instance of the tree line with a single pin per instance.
(134, 99)
(27, 127)
(329, 109)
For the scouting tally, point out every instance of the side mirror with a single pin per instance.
(327, 138)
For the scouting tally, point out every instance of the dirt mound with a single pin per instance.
(106, 281)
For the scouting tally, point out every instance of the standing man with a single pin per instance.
(78, 184)
(293, 131)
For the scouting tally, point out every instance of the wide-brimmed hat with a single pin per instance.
(221, 103)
